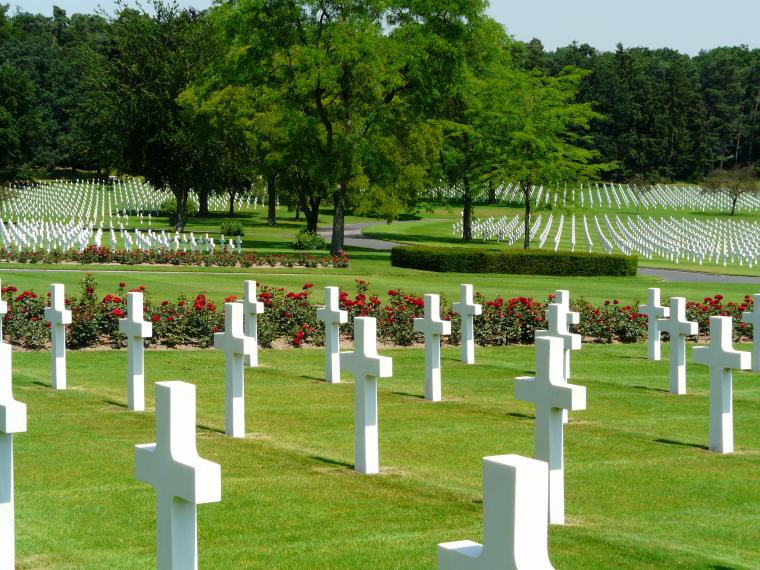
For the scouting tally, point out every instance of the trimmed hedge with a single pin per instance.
(530, 262)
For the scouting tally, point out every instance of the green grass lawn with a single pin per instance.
(642, 491)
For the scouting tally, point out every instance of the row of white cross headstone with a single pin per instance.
(720, 356)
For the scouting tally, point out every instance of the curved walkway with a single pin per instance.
(354, 236)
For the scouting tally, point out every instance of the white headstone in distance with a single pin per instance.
(236, 346)
(181, 478)
(468, 310)
(12, 420)
(58, 316)
(515, 534)
(367, 366)
(721, 357)
(562, 298)
(551, 394)
(136, 329)
(753, 318)
(654, 311)
(332, 316)
(252, 307)
(678, 328)
(433, 327)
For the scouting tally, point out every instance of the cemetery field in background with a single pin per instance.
(641, 489)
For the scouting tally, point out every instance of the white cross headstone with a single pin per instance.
(181, 478)
(515, 534)
(654, 311)
(58, 316)
(678, 328)
(433, 327)
(367, 366)
(468, 310)
(3, 312)
(562, 298)
(721, 357)
(753, 318)
(252, 307)
(235, 346)
(12, 420)
(551, 394)
(136, 329)
(333, 317)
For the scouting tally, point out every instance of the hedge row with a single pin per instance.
(530, 262)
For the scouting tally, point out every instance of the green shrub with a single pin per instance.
(229, 228)
(169, 208)
(529, 262)
(309, 240)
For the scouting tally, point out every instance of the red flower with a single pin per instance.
(308, 285)
(155, 318)
(164, 303)
(230, 299)
(122, 284)
(117, 313)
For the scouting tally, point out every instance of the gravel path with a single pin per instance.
(354, 237)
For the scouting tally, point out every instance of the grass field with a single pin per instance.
(642, 491)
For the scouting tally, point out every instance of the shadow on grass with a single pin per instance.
(683, 444)
(521, 416)
(408, 395)
(210, 429)
(43, 384)
(117, 404)
(332, 462)
(650, 389)
(314, 378)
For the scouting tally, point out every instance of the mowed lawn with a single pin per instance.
(641, 489)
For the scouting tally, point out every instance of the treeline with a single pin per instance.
(667, 116)
(356, 107)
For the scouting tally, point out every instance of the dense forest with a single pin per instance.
(358, 106)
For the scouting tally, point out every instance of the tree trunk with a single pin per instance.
(180, 218)
(272, 200)
(233, 193)
(338, 226)
(298, 213)
(312, 217)
(526, 223)
(203, 203)
(467, 211)
(734, 201)
(491, 193)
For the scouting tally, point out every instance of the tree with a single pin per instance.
(539, 132)
(733, 183)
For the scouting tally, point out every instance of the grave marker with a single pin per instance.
(515, 534)
(333, 317)
(58, 316)
(433, 327)
(236, 346)
(654, 311)
(551, 394)
(252, 307)
(181, 478)
(12, 420)
(468, 310)
(721, 357)
(678, 328)
(136, 329)
(367, 366)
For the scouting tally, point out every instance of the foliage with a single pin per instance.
(734, 183)
(230, 228)
(512, 261)
(169, 209)
(307, 239)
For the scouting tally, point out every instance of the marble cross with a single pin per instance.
(181, 478)
(433, 327)
(252, 307)
(654, 311)
(515, 534)
(753, 318)
(333, 317)
(58, 316)
(678, 328)
(3, 312)
(562, 298)
(721, 357)
(136, 329)
(468, 310)
(236, 346)
(12, 420)
(367, 366)
(551, 394)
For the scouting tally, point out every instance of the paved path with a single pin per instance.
(695, 276)
(354, 237)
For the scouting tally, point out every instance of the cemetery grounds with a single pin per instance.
(642, 491)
